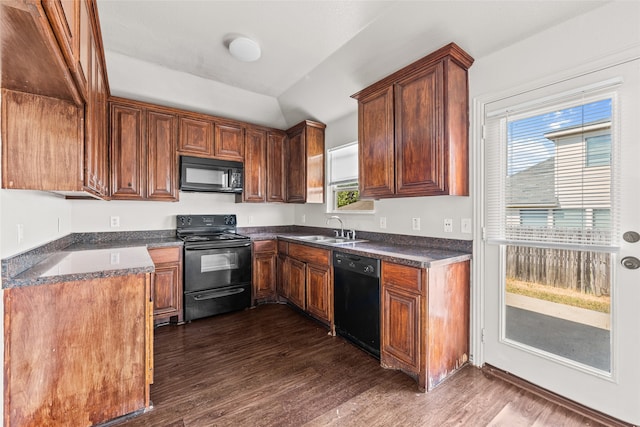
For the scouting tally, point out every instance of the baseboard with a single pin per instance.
(585, 411)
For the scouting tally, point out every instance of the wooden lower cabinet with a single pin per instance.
(400, 330)
(264, 270)
(319, 295)
(296, 278)
(305, 279)
(425, 320)
(167, 290)
(77, 353)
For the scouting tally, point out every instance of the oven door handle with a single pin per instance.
(218, 294)
(226, 245)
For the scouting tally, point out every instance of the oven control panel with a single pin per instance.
(188, 221)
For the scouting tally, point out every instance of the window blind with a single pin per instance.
(343, 164)
(551, 172)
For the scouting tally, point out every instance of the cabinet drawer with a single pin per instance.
(264, 246)
(402, 276)
(165, 255)
(309, 254)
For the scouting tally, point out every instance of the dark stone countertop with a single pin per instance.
(85, 256)
(393, 248)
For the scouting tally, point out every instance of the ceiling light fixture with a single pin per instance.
(245, 49)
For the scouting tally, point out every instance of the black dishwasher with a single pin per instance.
(356, 300)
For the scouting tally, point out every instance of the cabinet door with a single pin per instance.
(166, 292)
(85, 43)
(296, 283)
(127, 152)
(95, 143)
(400, 334)
(282, 279)
(228, 142)
(101, 142)
(297, 167)
(255, 158)
(162, 180)
(314, 150)
(421, 152)
(41, 143)
(276, 169)
(375, 145)
(196, 137)
(264, 275)
(319, 294)
(64, 16)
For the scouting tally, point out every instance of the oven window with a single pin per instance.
(206, 176)
(219, 261)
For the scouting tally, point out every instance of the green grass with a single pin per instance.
(560, 296)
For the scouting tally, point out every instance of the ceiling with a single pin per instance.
(317, 53)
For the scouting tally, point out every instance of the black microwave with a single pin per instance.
(210, 175)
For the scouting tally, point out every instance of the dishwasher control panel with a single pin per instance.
(357, 264)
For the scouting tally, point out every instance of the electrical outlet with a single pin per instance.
(448, 225)
(465, 225)
(383, 222)
(20, 230)
(115, 258)
(59, 224)
(115, 221)
(304, 218)
(415, 224)
(250, 219)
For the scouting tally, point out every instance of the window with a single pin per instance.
(551, 206)
(599, 150)
(546, 188)
(343, 191)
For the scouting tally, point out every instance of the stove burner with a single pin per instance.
(200, 230)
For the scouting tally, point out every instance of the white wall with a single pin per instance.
(144, 81)
(94, 215)
(43, 216)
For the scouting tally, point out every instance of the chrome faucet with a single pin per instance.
(341, 225)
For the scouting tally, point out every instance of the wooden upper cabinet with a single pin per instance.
(255, 167)
(196, 137)
(208, 136)
(305, 160)
(420, 115)
(420, 151)
(143, 152)
(376, 165)
(296, 160)
(41, 143)
(77, 29)
(73, 24)
(276, 166)
(162, 175)
(95, 143)
(127, 152)
(228, 142)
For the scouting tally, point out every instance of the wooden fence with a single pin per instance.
(582, 271)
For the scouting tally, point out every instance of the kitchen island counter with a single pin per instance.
(86, 256)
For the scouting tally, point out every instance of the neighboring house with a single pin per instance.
(570, 189)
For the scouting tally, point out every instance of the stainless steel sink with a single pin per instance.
(329, 240)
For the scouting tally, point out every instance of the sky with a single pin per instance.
(527, 145)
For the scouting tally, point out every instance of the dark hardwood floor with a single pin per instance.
(271, 366)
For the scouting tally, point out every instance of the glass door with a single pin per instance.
(560, 309)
